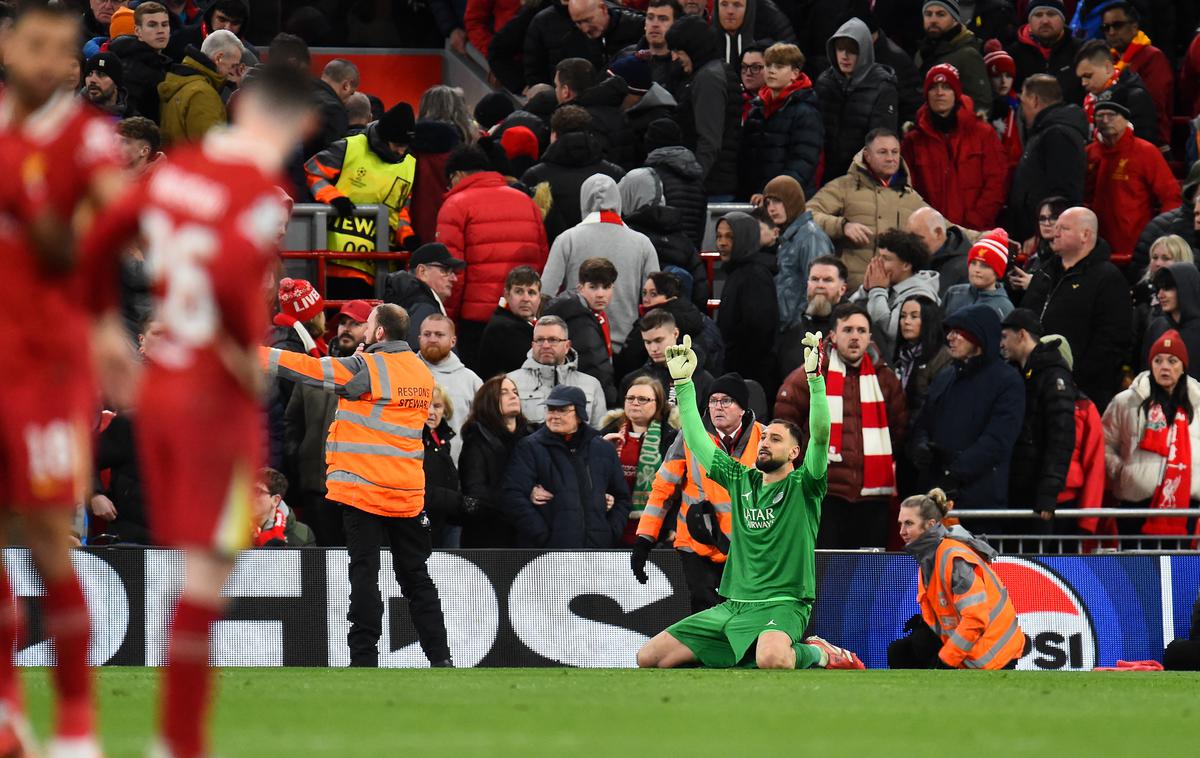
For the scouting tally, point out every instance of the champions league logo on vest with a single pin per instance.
(1051, 614)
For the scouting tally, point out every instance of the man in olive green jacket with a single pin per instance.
(191, 91)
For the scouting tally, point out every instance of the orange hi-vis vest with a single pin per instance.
(681, 471)
(374, 450)
(978, 625)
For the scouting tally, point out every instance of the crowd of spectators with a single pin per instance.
(982, 206)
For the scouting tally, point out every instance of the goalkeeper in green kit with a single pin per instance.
(770, 577)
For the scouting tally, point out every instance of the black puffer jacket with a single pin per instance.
(950, 260)
(1053, 163)
(789, 142)
(565, 165)
(663, 225)
(1043, 451)
(443, 499)
(506, 53)
(587, 337)
(658, 102)
(414, 296)
(143, 69)
(854, 105)
(1178, 221)
(1187, 284)
(1030, 58)
(683, 188)
(908, 76)
(1090, 306)
(550, 37)
(603, 102)
(710, 106)
(481, 467)
(749, 310)
(505, 344)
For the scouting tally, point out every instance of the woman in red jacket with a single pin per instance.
(956, 160)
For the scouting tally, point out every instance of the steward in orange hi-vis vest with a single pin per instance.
(374, 448)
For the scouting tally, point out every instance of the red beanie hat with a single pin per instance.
(992, 249)
(943, 73)
(1170, 343)
(519, 141)
(299, 300)
(1000, 62)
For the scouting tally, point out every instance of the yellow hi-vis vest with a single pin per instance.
(368, 179)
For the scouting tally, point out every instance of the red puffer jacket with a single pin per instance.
(494, 228)
(963, 173)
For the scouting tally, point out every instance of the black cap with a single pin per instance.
(1114, 106)
(734, 386)
(106, 63)
(662, 132)
(1023, 318)
(397, 124)
(492, 108)
(434, 254)
(565, 395)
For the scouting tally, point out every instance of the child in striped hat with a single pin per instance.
(986, 263)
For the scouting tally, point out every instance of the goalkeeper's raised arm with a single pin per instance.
(681, 362)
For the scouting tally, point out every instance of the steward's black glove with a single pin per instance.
(706, 531)
(343, 205)
(637, 558)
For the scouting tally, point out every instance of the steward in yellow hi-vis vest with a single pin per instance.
(366, 169)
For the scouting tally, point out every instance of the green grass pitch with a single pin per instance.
(626, 713)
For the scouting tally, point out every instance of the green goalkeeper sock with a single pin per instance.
(807, 656)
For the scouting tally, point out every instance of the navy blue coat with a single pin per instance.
(972, 418)
(577, 517)
(789, 142)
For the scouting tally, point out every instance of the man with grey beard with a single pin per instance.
(826, 288)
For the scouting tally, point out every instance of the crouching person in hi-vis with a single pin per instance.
(769, 582)
(374, 453)
(967, 620)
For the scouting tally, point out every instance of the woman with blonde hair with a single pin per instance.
(448, 104)
(967, 619)
(444, 502)
(1164, 251)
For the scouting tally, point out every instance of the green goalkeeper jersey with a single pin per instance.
(773, 542)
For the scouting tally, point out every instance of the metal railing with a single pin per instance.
(1067, 544)
(307, 238)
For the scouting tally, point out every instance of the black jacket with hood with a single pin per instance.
(1089, 304)
(505, 344)
(658, 102)
(1179, 221)
(763, 24)
(749, 309)
(854, 105)
(414, 296)
(1054, 163)
(682, 179)
(962, 49)
(710, 105)
(550, 37)
(971, 419)
(644, 210)
(566, 164)
(603, 103)
(908, 76)
(1031, 58)
(788, 143)
(1187, 285)
(1042, 455)
(950, 260)
(143, 68)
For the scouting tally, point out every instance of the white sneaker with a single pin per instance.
(74, 747)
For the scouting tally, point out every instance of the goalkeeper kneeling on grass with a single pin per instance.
(769, 580)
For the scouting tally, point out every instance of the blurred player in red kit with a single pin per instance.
(58, 158)
(209, 219)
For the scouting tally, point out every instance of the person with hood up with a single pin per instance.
(875, 195)
(1177, 287)
(574, 154)
(647, 101)
(1054, 162)
(749, 309)
(436, 348)
(190, 94)
(1181, 222)
(1042, 456)
(602, 230)
(856, 96)
(784, 132)
(1045, 46)
(742, 23)
(565, 488)
(644, 210)
(948, 41)
(710, 105)
(964, 436)
(1146, 308)
(946, 244)
(1150, 433)
(986, 264)
(967, 620)
(801, 242)
(551, 362)
(1128, 181)
(681, 175)
(894, 275)
(955, 156)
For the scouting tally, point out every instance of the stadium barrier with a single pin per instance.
(541, 608)
(1096, 527)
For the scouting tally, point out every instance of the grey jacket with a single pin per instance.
(961, 295)
(534, 382)
(884, 306)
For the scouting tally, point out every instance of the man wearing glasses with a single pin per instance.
(1121, 25)
(552, 362)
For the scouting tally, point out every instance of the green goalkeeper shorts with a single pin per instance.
(724, 636)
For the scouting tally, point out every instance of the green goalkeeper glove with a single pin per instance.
(681, 360)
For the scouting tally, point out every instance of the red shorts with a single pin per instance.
(47, 424)
(200, 454)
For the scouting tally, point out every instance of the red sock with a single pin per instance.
(187, 691)
(10, 690)
(66, 618)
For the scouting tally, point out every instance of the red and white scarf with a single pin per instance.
(1173, 442)
(879, 473)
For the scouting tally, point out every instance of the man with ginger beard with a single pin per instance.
(826, 290)
(437, 340)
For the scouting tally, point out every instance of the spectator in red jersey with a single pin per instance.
(483, 18)
(274, 523)
(1128, 181)
(139, 143)
(956, 159)
(1121, 24)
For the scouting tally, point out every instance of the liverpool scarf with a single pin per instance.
(879, 475)
(1172, 442)
(649, 460)
(1139, 43)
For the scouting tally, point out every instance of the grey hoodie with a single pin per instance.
(535, 380)
(639, 188)
(857, 32)
(632, 253)
(884, 306)
(460, 384)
